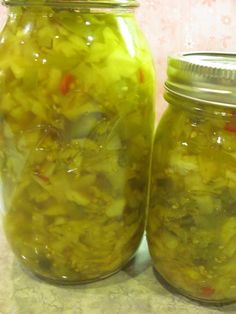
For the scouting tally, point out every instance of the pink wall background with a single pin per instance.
(182, 25)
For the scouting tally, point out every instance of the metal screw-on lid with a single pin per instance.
(74, 3)
(203, 76)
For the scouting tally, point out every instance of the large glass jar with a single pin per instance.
(77, 113)
(192, 217)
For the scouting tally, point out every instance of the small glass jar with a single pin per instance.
(77, 116)
(192, 216)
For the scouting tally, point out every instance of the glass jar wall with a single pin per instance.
(77, 114)
(192, 217)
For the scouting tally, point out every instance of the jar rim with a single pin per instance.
(208, 77)
(74, 3)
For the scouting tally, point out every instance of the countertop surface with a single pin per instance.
(134, 290)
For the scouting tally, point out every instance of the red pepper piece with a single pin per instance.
(66, 83)
(207, 292)
(230, 127)
(141, 76)
(41, 176)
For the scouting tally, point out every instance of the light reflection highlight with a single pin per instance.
(128, 38)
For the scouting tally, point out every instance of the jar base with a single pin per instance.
(176, 291)
(58, 282)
